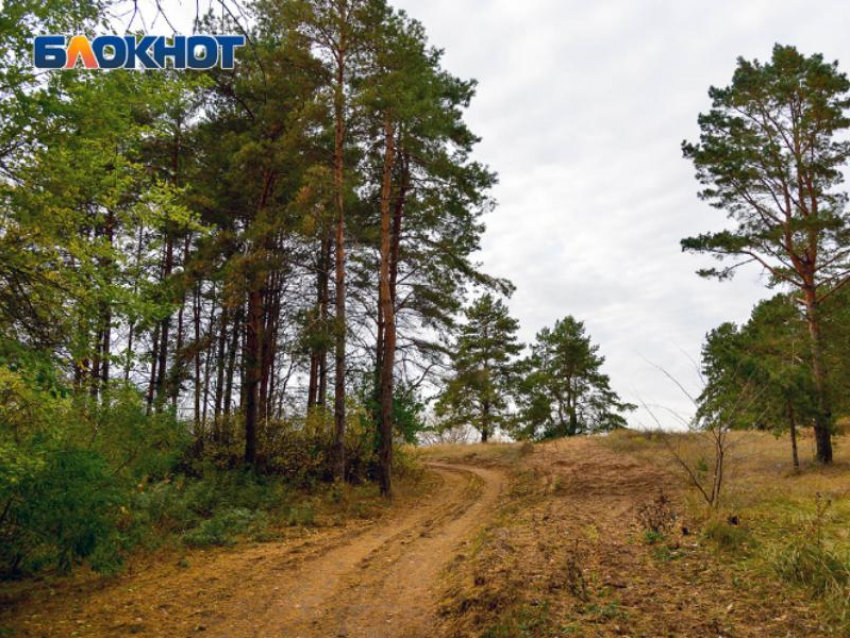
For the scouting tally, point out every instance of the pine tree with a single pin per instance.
(771, 154)
(758, 375)
(564, 391)
(484, 369)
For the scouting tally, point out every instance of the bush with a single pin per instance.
(183, 504)
(302, 451)
(68, 467)
(300, 515)
(726, 536)
(657, 517)
(225, 526)
(66, 510)
(89, 479)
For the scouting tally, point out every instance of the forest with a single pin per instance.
(233, 299)
(260, 269)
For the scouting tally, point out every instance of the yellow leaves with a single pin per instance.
(163, 203)
(24, 408)
(18, 403)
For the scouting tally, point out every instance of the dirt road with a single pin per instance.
(378, 580)
(557, 551)
(377, 585)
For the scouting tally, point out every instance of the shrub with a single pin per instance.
(301, 515)
(84, 478)
(182, 504)
(225, 526)
(301, 451)
(657, 517)
(64, 510)
(68, 467)
(405, 463)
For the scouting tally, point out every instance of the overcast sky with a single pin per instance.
(582, 107)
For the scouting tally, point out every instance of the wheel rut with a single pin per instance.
(378, 584)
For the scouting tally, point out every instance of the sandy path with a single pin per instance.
(380, 584)
(376, 580)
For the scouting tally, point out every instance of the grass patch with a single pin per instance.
(486, 454)
(803, 561)
(726, 536)
(790, 529)
(525, 621)
(606, 611)
(225, 526)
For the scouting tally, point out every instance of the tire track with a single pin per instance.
(378, 585)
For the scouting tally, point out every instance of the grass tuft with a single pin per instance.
(726, 536)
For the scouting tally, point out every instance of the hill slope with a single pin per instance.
(497, 541)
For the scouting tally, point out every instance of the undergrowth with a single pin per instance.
(785, 531)
(815, 560)
(85, 481)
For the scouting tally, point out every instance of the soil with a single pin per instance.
(376, 580)
(569, 555)
(505, 542)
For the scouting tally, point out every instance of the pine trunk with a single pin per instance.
(792, 427)
(387, 314)
(164, 326)
(339, 183)
(253, 344)
(231, 369)
(823, 416)
(196, 319)
(220, 365)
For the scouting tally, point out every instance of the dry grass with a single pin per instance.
(484, 454)
(570, 551)
(761, 484)
(790, 528)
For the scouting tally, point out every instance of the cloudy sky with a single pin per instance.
(582, 107)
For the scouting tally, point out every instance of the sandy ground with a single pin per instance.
(567, 557)
(503, 541)
(376, 581)
(380, 584)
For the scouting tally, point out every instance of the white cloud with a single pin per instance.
(582, 108)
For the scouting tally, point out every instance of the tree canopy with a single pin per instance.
(565, 392)
(771, 154)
